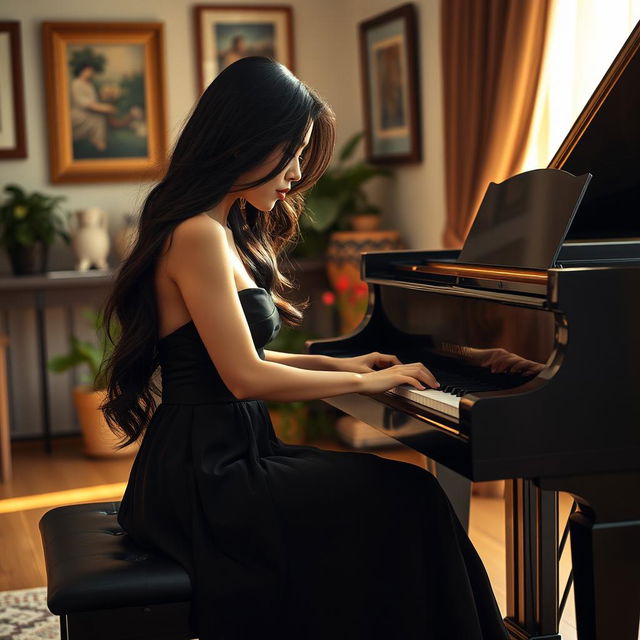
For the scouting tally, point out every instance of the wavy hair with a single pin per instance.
(252, 108)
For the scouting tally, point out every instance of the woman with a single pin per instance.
(88, 114)
(279, 540)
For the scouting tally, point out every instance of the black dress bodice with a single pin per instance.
(188, 374)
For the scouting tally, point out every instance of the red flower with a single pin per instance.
(328, 298)
(342, 284)
(361, 289)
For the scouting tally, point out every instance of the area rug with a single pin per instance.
(24, 616)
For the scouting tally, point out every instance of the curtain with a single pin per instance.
(492, 52)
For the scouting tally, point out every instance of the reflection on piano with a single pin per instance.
(568, 419)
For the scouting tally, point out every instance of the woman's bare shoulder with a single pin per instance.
(199, 231)
(196, 225)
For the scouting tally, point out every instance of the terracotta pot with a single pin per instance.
(290, 424)
(365, 221)
(98, 440)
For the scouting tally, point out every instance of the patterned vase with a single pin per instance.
(343, 270)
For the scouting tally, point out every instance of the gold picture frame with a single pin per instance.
(105, 93)
(262, 29)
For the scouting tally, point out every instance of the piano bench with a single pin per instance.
(105, 587)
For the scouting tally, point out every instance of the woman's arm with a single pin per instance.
(200, 264)
(303, 360)
(358, 364)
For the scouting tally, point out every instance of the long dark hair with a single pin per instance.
(253, 107)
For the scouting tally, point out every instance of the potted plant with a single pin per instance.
(338, 200)
(98, 439)
(29, 224)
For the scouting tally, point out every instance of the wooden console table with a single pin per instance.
(54, 288)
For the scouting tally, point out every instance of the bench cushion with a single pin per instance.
(93, 564)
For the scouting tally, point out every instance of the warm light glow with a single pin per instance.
(583, 39)
(57, 498)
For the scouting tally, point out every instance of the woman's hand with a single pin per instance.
(415, 374)
(366, 363)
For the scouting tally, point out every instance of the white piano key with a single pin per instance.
(445, 402)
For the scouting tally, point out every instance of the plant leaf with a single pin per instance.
(324, 211)
(350, 146)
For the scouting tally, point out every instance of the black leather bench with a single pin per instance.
(105, 587)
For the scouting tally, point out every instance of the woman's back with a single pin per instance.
(172, 311)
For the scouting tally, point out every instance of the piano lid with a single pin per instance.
(605, 141)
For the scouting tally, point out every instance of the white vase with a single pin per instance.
(90, 239)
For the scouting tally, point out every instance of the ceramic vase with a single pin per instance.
(343, 270)
(90, 239)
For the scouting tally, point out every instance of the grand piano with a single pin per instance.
(571, 425)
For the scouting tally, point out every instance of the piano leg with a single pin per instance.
(532, 565)
(605, 551)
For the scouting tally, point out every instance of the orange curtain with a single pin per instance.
(492, 53)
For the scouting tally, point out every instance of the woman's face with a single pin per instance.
(264, 196)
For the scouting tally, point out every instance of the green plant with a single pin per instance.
(87, 353)
(339, 192)
(26, 219)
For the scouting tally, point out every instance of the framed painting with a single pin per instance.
(13, 139)
(226, 33)
(105, 96)
(389, 71)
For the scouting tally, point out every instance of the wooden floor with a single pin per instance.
(44, 481)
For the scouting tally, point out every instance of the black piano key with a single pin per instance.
(458, 378)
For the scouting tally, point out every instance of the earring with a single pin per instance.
(242, 204)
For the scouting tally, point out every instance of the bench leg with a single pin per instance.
(152, 622)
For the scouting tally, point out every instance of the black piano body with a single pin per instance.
(575, 425)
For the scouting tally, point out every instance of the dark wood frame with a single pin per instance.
(200, 10)
(63, 167)
(15, 45)
(406, 12)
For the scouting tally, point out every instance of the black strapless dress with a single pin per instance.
(290, 541)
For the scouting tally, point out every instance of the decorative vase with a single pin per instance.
(125, 237)
(90, 239)
(26, 261)
(343, 268)
(98, 440)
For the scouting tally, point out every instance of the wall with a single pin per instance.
(415, 203)
(316, 64)
(326, 51)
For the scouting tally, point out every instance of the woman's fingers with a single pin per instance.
(419, 371)
(385, 360)
(413, 382)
